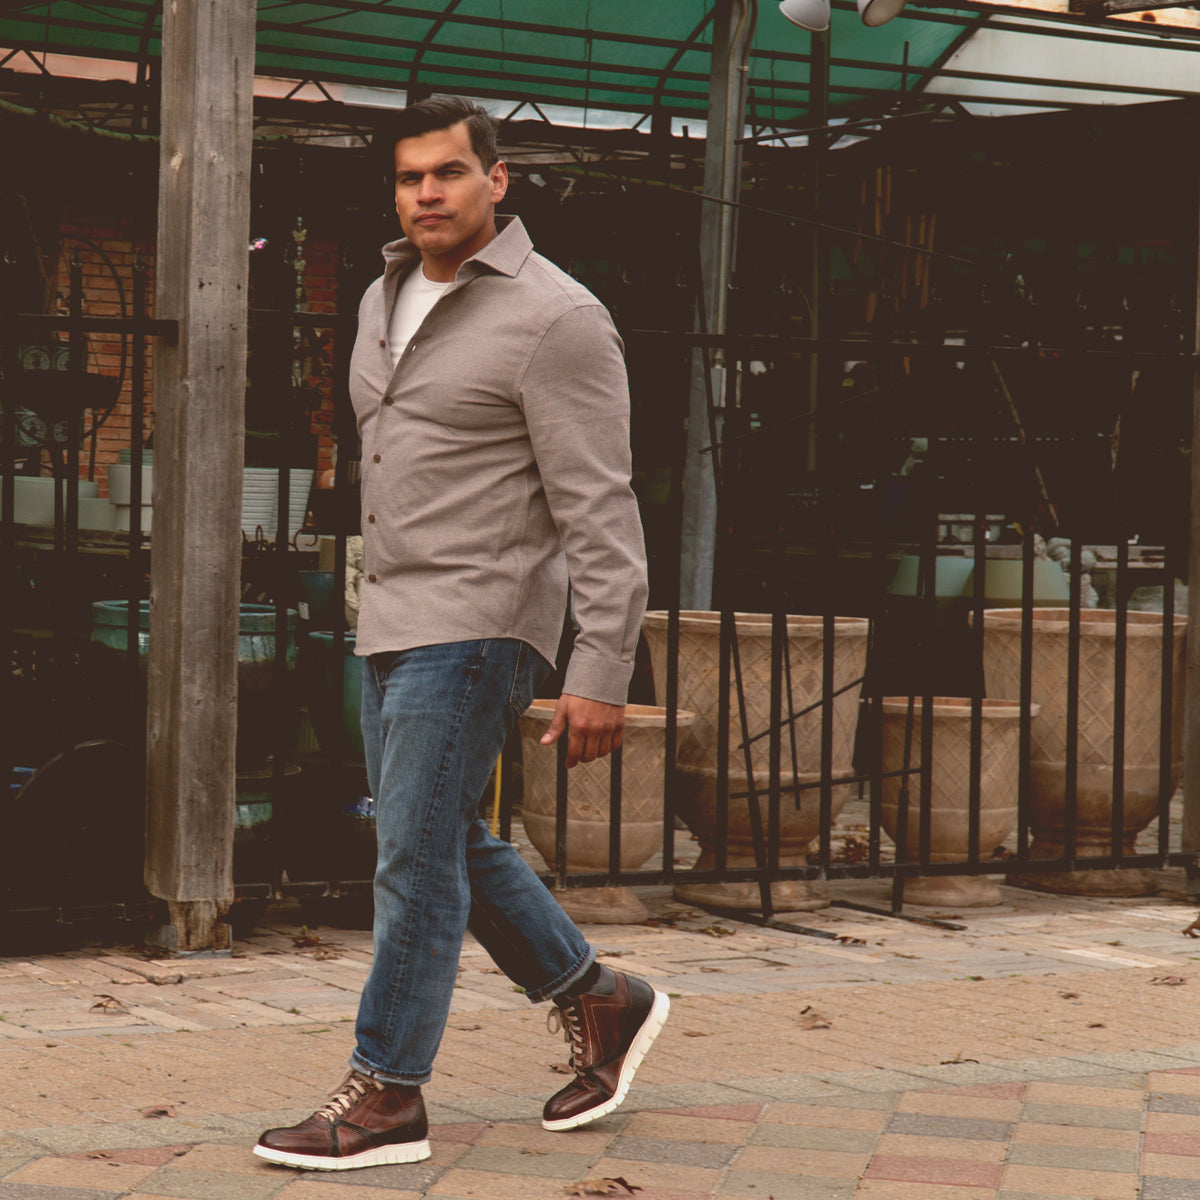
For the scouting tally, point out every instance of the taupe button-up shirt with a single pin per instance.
(496, 465)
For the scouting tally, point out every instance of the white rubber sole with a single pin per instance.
(652, 1027)
(381, 1156)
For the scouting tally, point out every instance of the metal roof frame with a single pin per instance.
(642, 60)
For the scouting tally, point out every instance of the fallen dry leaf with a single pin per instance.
(1169, 980)
(1096, 1025)
(602, 1187)
(561, 1069)
(811, 1019)
(306, 938)
(717, 931)
(958, 1058)
(99, 1154)
(159, 1110)
(108, 1004)
(694, 1033)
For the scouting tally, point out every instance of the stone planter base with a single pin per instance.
(1136, 881)
(791, 895)
(601, 906)
(952, 891)
(1093, 805)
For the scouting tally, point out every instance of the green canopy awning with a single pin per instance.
(633, 56)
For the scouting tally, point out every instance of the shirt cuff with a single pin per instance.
(602, 679)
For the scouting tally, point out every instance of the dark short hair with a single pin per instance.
(440, 112)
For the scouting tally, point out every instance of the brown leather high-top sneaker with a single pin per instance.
(365, 1124)
(609, 1030)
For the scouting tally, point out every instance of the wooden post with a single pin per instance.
(202, 280)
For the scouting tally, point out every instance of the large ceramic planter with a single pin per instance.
(334, 693)
(699, 676)
(643, 773)
(1095, 770)
(263, 709)
(950, 790)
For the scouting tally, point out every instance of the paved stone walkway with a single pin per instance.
(1050, 1049)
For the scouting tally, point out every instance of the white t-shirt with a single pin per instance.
(416, 297)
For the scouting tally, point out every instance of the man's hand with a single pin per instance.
(594, 728)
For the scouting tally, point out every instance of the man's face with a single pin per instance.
(445, 199)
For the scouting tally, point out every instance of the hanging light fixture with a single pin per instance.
(879, 12)
(812, 15)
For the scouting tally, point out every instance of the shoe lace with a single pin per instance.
(566, 1021)
(354, 1087)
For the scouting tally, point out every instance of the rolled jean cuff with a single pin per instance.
(364, 1068)
(556, 987)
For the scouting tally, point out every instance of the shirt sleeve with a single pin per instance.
(575, 396)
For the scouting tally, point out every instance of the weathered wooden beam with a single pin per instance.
(202, 277)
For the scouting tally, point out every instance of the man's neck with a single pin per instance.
(443, 268)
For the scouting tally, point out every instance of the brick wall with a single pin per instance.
(107, 249)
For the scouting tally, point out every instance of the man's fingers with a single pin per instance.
(594, 728)
(557, 724)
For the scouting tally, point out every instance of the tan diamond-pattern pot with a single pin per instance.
(643, 771)
(699, 678)
(950, 789)
(1095, 771)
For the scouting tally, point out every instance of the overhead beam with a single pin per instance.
(202, 279)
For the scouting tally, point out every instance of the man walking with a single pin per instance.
(492, 403)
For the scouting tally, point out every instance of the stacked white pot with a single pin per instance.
(120, 492)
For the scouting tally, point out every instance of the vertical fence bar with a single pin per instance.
(671, 743)
(1120, 650)
(614, 818)
(1025, 737)
(560, 814)
(1074, 642)
(137, 417)
(9, 568)
(1166, 706)
(928, 618)
(72, 420)
(975, 749)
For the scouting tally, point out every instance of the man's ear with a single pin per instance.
(499, 177)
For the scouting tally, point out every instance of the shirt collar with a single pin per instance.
(504, 254)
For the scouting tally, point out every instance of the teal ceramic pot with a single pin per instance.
(319, 599)
(264, 711)
(334, 692)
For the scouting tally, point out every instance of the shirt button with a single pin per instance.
(378, 458)
(383, 341)
(371, 579)
(388, 400)
(371, 518)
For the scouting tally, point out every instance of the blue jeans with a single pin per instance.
(434, 722)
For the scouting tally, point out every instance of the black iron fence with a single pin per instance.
(944, 645)
(967, 664)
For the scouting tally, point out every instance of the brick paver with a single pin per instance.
(1048, 1051)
